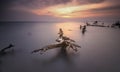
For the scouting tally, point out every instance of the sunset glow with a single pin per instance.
(60, 9)
(68, 27)
(75, 11)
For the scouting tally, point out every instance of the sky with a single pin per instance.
(55, 10)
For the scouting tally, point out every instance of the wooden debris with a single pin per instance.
(62, 42)
(3, 51)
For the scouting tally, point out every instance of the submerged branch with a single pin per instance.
(2, 51)
(47, 48)
(63, 42)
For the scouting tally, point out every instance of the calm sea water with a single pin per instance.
(100, 50)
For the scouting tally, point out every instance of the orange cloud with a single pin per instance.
(73, 10)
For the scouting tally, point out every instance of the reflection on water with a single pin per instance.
(68, 27)
(63, 60)
(99, 52)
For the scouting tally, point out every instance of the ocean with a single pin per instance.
(99, 52)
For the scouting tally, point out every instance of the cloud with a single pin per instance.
(47, 7)
(46, 3)
(113, 8)
(34, 4)
(9, 5)
(94, 1)
(37, 4)
(4, 4)
(83, 2)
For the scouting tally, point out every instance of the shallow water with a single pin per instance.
(99, 52)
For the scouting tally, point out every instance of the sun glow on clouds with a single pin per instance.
(71, 10)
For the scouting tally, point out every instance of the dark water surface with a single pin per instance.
(100, 50)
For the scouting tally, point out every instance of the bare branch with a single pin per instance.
(76, 45)
(47, 48)
(63, 42)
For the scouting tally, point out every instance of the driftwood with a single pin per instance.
(116, 24)
(3, 51)
(47, 48)
(97, 25)
(62, 42)
(84, 29)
